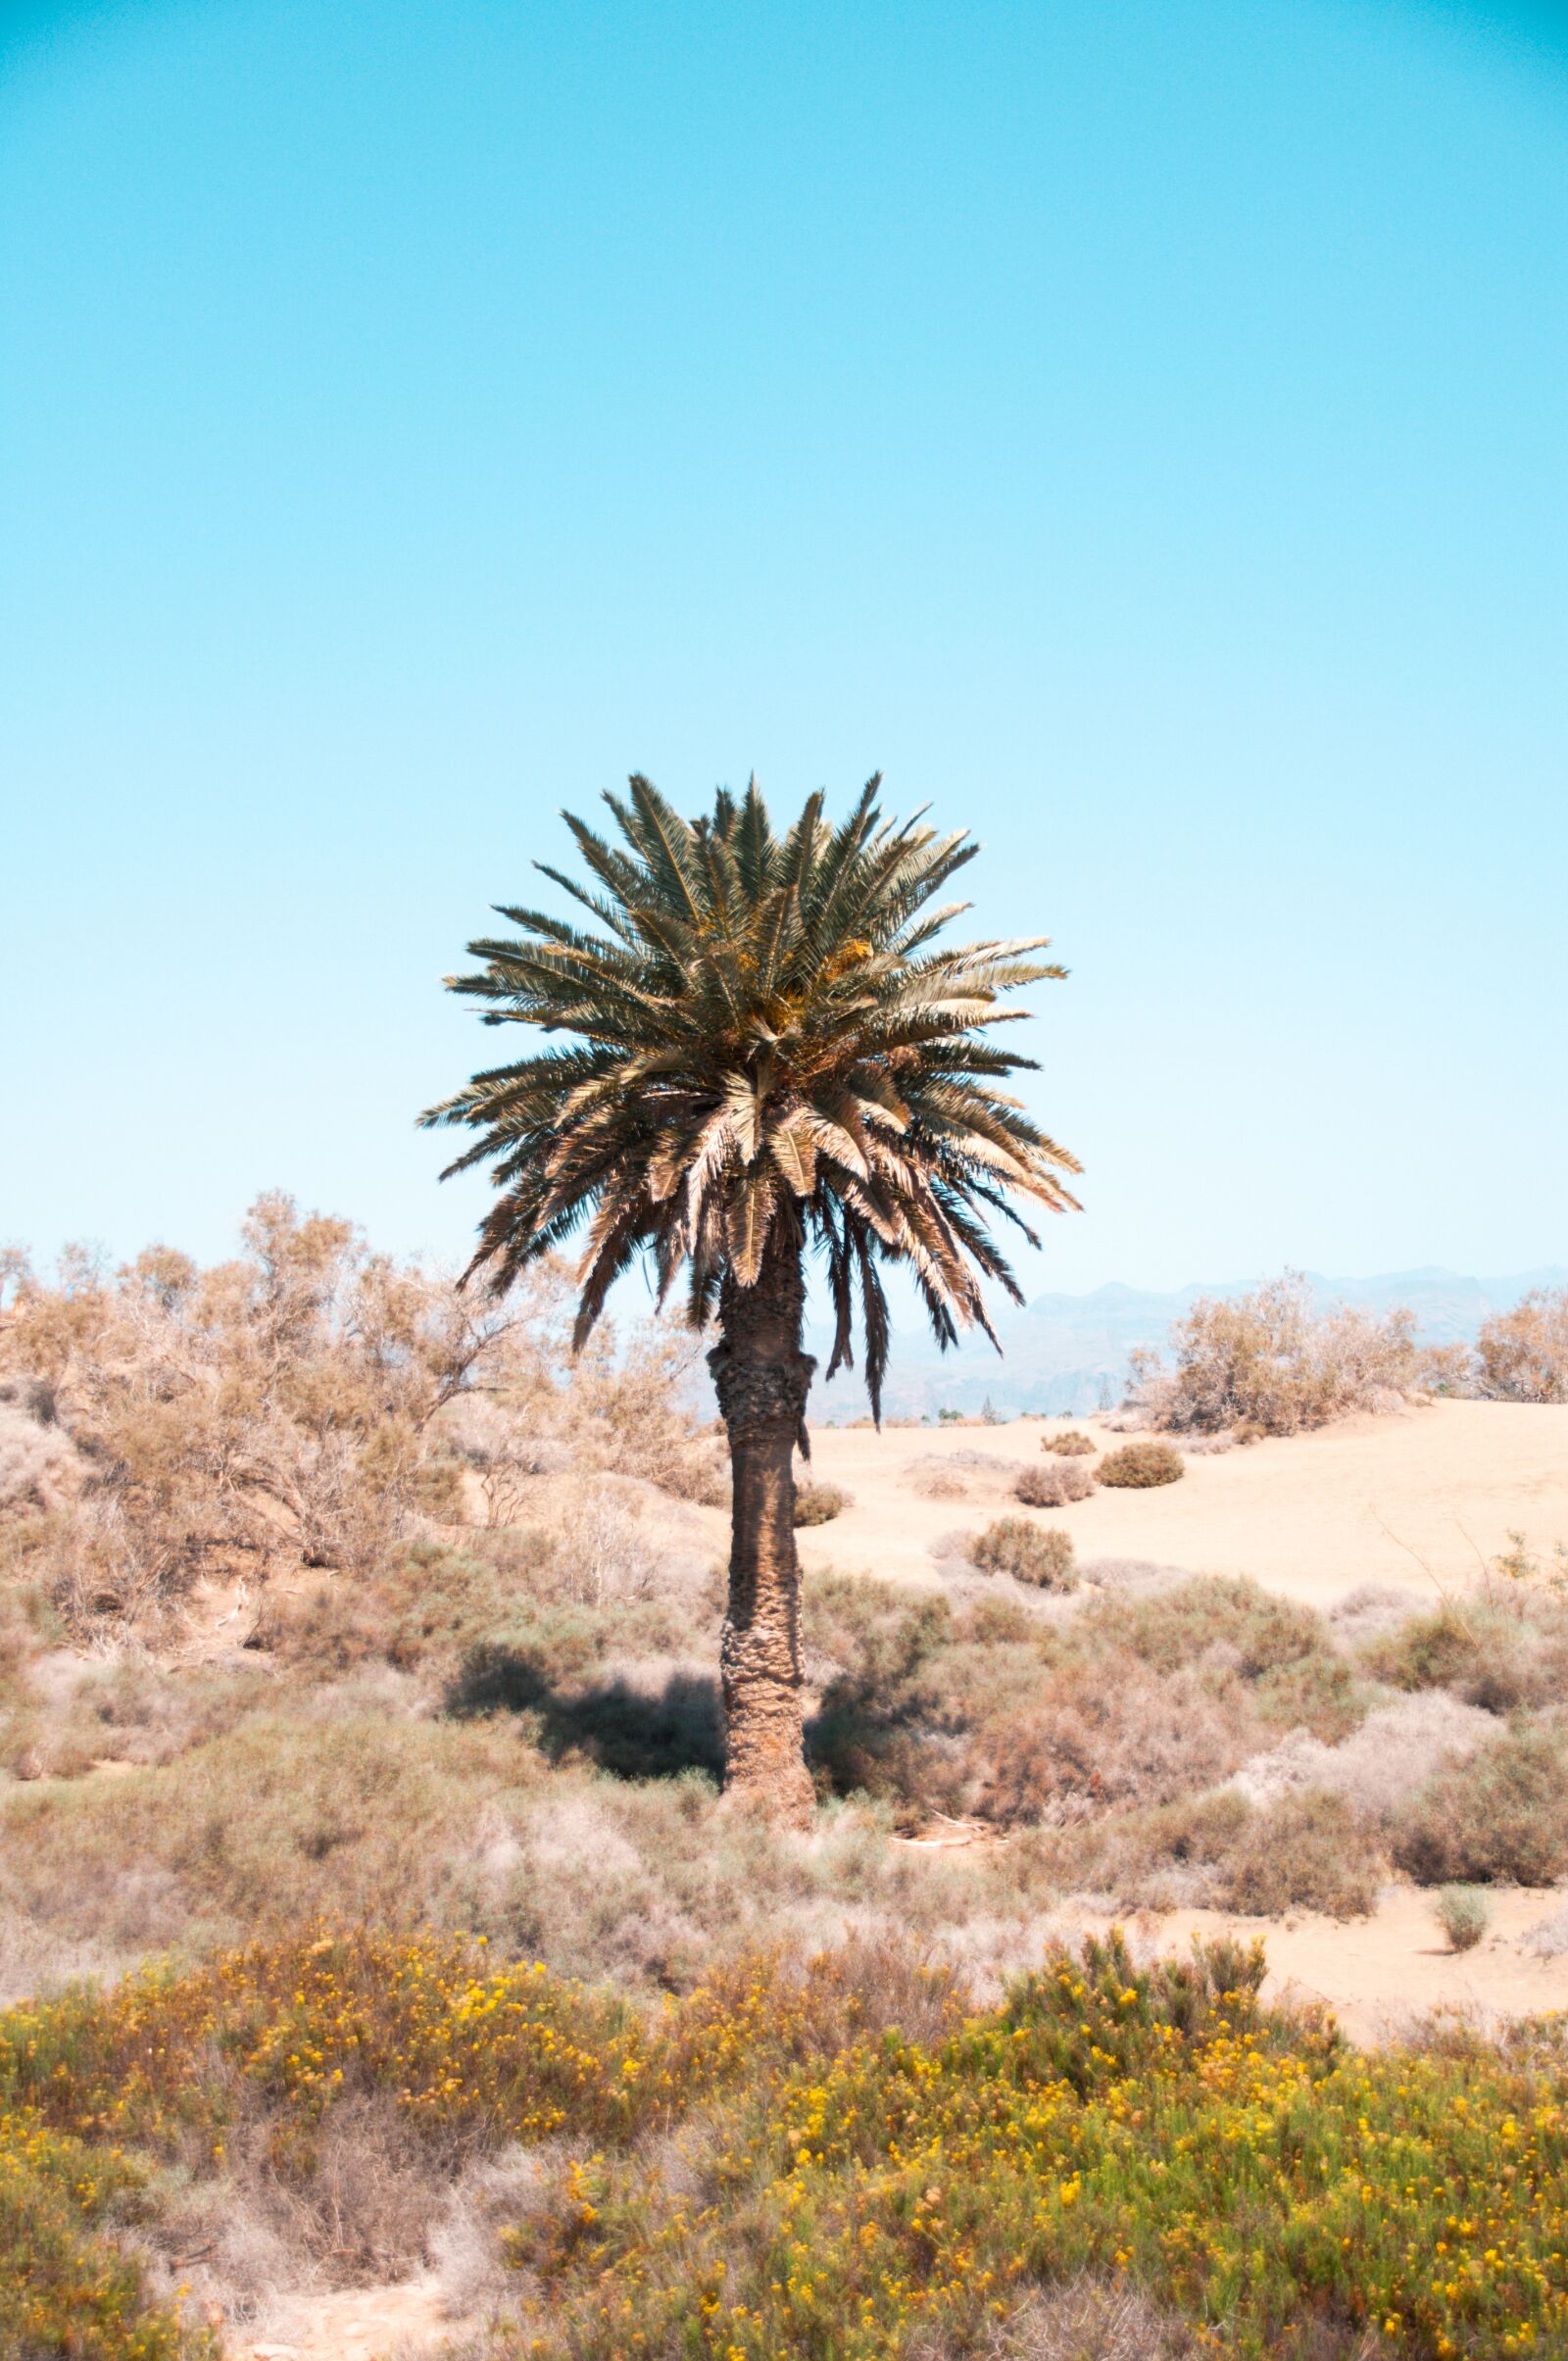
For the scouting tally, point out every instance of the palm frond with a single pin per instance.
(763, 1036)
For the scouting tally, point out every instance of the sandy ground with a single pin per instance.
(1417, 1499)
(1380, 1975)
(359, 2324)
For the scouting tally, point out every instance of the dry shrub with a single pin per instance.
(1272, 1362)
(1071, 1444)
(1104, 1735)
(281, 1403)
(819, 1503)
(1449, 1369)
(1171, 1856)
(1084, 2320)
(1498, 1653)
(1055, 1485)
(1502, 1817)
(960, 1475)
(527, 1621)
(1305, 1851)
(1548, 1938)
(1371, 1609)
(1136, 1466)
(1524, 1353)
(1041, 1555)
(1464, 1915)
(1258, 1631)
(40, 1468)
(356, 2209)
(626, 1408)
(1379, 1766)
(128, 1710)
(310, 1402)
(882, 1729)
(1309, 1851)
(1234, 1633)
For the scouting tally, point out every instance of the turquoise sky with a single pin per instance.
(1140, 430)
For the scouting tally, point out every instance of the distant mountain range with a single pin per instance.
(1066, 1354)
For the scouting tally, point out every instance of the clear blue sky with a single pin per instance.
(1138, 426)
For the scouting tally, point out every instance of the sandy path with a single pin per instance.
(359, 2324)
(1311, 1514)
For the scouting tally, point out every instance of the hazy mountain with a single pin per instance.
(1066, 1354)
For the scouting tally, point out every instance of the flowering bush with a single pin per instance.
(860, 2171)
(62, 2288)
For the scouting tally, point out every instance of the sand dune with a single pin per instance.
(1418, 1500)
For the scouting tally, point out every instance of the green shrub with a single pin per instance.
(819, 1503)
(1159, 2124)
(63, 2290)
(1139, 1465)
(1316, 1693)
(1495, 1656)
(1500, 1818)
(1071, 1445)
(1464, 1915)
(1306, 1852)
(1039, 1554)
(1169, 1629)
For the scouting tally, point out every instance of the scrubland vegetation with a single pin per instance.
(329, 1601)
(840, 2159)
(1272, 1363)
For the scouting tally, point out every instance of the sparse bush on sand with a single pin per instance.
(1054, 1485)
(1042, 1554)
(1136, 1466)
(1464, 1914)
(1071, 1444)
(1271, 1361)
(1523, 1353)
(819, 1503)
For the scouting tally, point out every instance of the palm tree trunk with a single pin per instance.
(762, 1377)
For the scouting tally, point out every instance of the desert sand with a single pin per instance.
(1419, 1500)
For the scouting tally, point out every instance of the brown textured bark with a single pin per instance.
(762, 1378)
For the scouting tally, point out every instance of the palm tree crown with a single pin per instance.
(769, 1047)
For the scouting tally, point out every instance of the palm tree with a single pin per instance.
(765, 1051)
